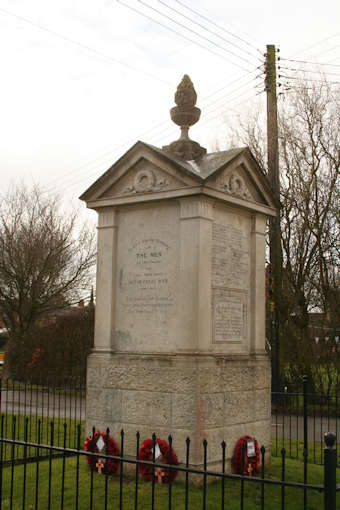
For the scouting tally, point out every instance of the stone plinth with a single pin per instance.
(204, 397)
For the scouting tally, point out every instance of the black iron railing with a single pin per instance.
(52, 483)
(42, 403)
(299, 422)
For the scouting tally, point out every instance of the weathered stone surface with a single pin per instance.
(105, 403)
(214, 438)
(143, 375)
(211, 410)
(179, 437)
(262, 404)
(202, 397)
(183, 410)
(180, 312)
(262, 374)
(146, 407)
(239, 407)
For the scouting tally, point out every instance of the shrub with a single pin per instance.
(56, 350)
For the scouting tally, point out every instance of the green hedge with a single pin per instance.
(56, 351)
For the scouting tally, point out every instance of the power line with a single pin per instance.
(138, 136)
(227, 95)
(180, 35)
(309, 79)
(316, 44)
(336, 58)
(238, 113)
(168, 130)
(329, 49)
(83, 46)
(193, 31)
(205, 28)
(308, 71)
(311, 63)
(104, 154)
(218, 26)
(206, 118)
(205, 121)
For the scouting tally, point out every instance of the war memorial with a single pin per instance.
(180, 299)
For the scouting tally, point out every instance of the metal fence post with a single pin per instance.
(305, 437)
(330, 472)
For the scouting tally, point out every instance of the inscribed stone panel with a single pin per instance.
(229, 310)
(230, 276)
(147, 278)
(230, 257)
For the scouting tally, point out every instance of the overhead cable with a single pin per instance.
(308, 71)
(148, 131)
(326, 82)
(194, 32)
(311, 63)
(328, 50)
(180, 35)
(83, 46)
(206, 118)
(218, 26)
(206, 29)
(316, 44)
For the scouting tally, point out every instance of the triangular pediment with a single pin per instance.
(141, 171)
(144, 177)
(242, 179)
(146, 173)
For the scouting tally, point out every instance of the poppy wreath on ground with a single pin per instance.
(161, 475)
(250, 464)
(106, 466)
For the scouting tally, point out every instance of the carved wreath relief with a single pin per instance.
(144, 182)
(234, 185)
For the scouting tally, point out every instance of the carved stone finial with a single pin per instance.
(185, 93)
(185, 114)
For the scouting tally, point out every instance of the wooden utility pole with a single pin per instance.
(274, 225)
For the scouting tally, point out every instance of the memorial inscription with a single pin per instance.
(229, 315)
(230, 257)
(230, 283)
(147, 284)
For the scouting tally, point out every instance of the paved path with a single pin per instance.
(292, 427)
(64, 405)
(47, 404)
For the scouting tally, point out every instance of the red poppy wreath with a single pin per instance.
(251, 456)
(105, 444)
(163, 455)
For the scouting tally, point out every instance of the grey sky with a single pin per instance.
(82, 81)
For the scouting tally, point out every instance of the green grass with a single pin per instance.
(53, 391)
(294, 472)
(294, 450)
(32, 433)
(294, 497)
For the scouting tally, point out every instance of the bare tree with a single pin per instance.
(309, 142)
(46, 261)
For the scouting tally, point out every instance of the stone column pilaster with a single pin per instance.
(196, 215)
(258, 298)
(106, 279)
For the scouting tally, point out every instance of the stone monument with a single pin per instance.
(180, 307)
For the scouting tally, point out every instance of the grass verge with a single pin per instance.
(295, 450)
(13, 426)
(49, 489)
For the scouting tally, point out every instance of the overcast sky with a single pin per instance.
(81, 81)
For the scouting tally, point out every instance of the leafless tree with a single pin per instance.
(309, 142)
(46, 259)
